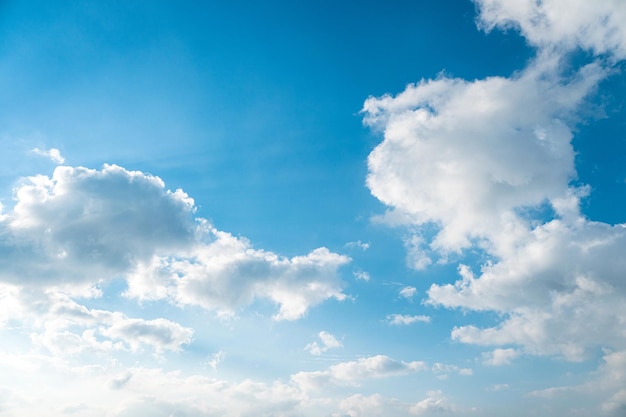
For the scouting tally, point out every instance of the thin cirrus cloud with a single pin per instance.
(471, 157)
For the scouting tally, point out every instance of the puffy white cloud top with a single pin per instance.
(81, 227)
(481, 162)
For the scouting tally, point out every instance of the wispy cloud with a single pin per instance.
(52, 154)
(361, 275)
(402, 319)
(358, 244)
(408, 292)
(327, 342)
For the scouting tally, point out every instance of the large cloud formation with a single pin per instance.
(489, 164)
(114, 390)
(82, 227)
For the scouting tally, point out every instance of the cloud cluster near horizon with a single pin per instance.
(489, 165)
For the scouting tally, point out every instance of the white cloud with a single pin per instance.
(70, 328)
(52, 154)
(227, 273)
(435, 403)
(604, 387)
(362, 275)
(408, 292)
(116, 391)
(86, 225)
(466, 155)
(359, 405)
(216, 359)
(10, 305)
(374, 405)
(358, 244)
(83, 226)
(416, 253)
(479, 162)
(597, 26)
(561, 290)
(328, 341)
(402, 319)
(500, 357)
(113, 389)
(353, 372)
(443, 370)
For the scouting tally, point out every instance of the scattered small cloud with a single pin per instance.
(551, 392)
(417, 254)
(435, 402)
(216, 359)
(327, 341)
(52, 154)
(408, 292)
(499, 357)
(361, 275)
(401, 319)
(358, 244)
(442, 370)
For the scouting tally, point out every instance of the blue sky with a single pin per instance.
(312, 209)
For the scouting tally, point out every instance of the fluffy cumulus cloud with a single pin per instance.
(62, 327)
(227, 273)
(597, 26)
(434, 404)
(489, 164)
(84, 225)
(466, 155)
(327, 342)
(81, 227)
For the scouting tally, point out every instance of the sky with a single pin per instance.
(340, 209)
